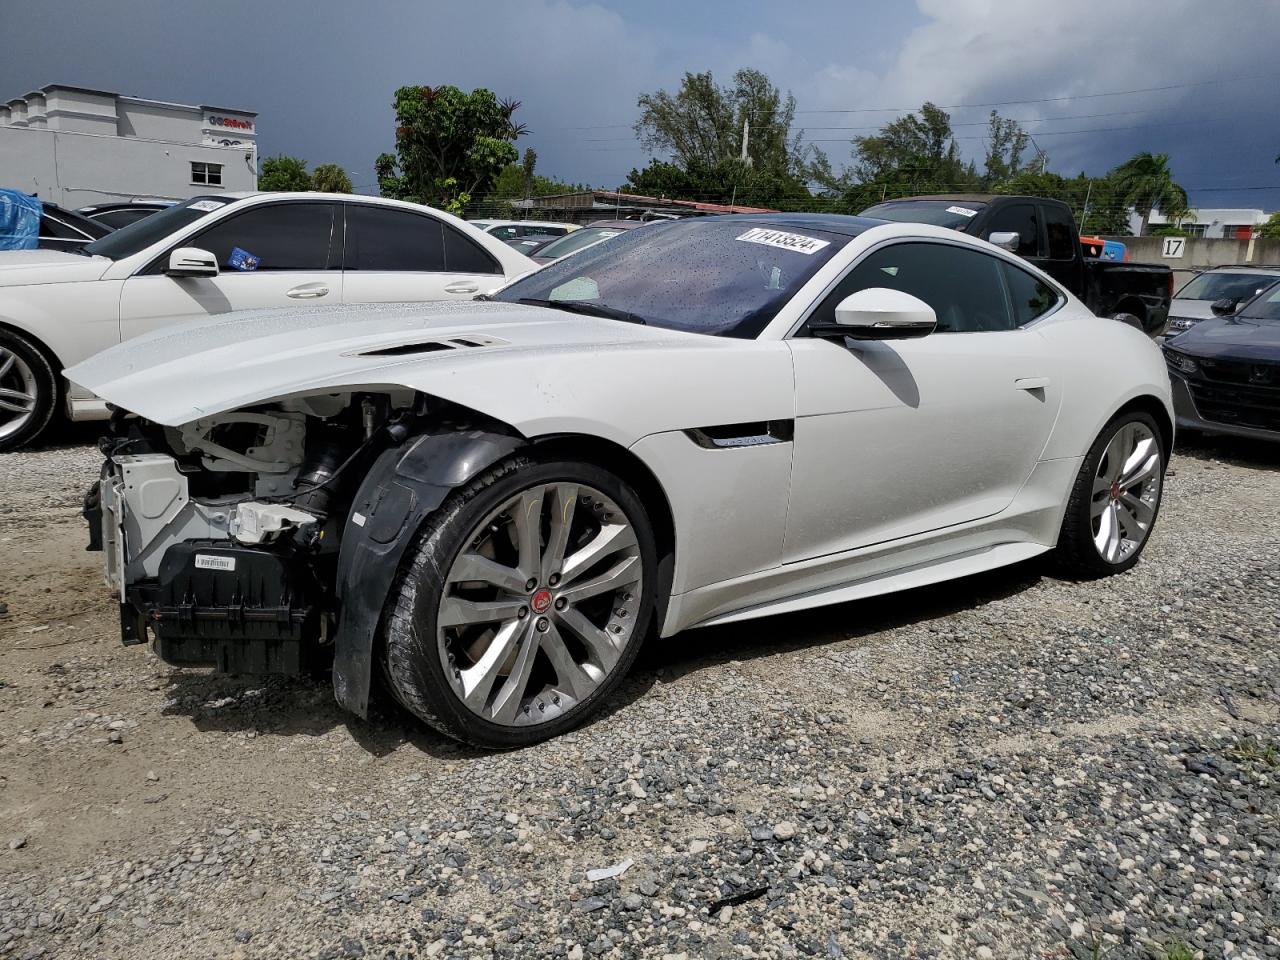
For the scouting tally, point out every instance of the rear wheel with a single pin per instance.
(1116, 499)
(28, 391)
(524, 604)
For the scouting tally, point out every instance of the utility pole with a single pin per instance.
(1084, 213)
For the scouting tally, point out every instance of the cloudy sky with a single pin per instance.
(1097, 81)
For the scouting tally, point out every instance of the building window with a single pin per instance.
(208, 174)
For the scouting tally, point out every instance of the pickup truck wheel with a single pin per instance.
(1115, 501)
(28, 391)
(524, 603)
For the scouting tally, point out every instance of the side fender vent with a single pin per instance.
(731, 436)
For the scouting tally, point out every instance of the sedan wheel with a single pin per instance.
(1115, 500)
(27, 391)
(535, 588)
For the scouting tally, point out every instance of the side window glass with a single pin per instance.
(1062, 238)
(964, 287)
(1031, 296)
(1020, 218)
(283, 236)
(379, 238)
(57, 230)
(504, 233)
(464, 255)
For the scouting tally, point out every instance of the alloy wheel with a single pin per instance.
(18, 393)
(1126, 492)
(540, 603)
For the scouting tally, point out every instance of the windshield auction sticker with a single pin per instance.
(962, 211)
(797, 243)
(207, 206)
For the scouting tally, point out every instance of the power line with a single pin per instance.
(1080, 96)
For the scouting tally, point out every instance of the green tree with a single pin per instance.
(330, 178)
(702, 124)
(1271, 229)
(1006, 142)
(449, 143)
(911, 155)
(283, 173)
(729, 181)
(1146, 183)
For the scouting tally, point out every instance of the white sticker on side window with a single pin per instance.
(207, 205)
(962, 211)
(796, 242)
(206, 562)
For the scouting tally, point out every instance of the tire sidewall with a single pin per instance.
(46, 390)
(426, 691)
(1089, 469)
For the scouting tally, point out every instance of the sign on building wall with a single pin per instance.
(1173, 247)
(221, 130)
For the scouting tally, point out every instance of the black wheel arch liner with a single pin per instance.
(403, 486)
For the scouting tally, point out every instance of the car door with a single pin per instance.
(899, 438)
(280, 254)
(393, 254)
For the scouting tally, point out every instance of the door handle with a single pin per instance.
(462, 286)
(1031, 383)
(308, 291)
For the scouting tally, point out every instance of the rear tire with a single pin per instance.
(1115, 500)
(28, 391)
(502, 634)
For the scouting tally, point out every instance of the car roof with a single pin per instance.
(970, 197)
(840, 223)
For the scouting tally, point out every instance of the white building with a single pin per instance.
(1211, 223)
(76, 147)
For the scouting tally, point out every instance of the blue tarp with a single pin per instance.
(19, 220)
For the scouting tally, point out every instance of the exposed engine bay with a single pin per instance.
(223, 536)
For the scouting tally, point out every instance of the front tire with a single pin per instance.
(1115, 500)
(28, 391)
(523, 604)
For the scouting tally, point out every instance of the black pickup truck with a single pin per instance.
(1044, 232)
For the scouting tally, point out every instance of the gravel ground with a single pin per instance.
(1006, 766)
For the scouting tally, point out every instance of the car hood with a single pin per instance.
(1231, 337)
(23, 267)
(530, 367)
(1192, 309)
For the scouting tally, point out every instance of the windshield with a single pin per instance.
(137, 236)
(579, 240)
(1231, 286)
(955, 214)
(720, 275)
(1266, 307)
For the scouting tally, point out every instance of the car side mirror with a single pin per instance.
(878, 313)
(1224, 307)
(192, 262)
(1005, 240)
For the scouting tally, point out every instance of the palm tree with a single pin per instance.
(1146, 183)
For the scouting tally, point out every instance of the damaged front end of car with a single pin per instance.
(266, 539)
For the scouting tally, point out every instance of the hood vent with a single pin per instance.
(432, 346)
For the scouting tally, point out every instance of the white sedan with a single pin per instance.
(699, 422)
(212, 254)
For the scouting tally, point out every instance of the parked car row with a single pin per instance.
(212, 255)
(1223, 353)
